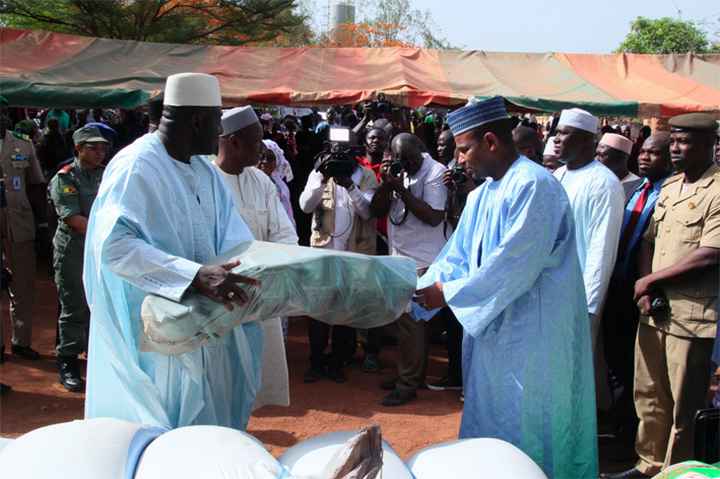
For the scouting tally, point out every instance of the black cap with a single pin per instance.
(694, 122)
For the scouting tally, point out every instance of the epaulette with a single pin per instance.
(66, 169)
(673, 179)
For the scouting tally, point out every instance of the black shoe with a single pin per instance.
(4, 389)
(445, 384)
(25, 352)
(399, 397)
(337, 375)
(69, 369)
(629, 474)
(313, 375)
(2, 354)
(388, 385)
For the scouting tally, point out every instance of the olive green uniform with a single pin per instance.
(19, 168)
(72, 190)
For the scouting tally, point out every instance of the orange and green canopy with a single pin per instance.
(55, 70)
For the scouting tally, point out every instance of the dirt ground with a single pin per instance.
(37, 399)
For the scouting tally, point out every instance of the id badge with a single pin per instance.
(16, 183)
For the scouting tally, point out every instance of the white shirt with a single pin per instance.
(598, 203)
(347, 205)
(256, 199)
(413, 238)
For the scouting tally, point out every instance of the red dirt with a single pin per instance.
(38, 399)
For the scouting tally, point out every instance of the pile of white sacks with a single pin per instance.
(108, 448)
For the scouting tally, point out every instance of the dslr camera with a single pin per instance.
(457, 175)
(337, 160)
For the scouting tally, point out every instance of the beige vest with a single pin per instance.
(363, 236)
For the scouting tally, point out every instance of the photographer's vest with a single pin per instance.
(363, 237)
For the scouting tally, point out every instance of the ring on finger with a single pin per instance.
(230, 295)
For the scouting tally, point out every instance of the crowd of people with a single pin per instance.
(571, 266)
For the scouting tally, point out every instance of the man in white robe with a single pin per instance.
(614, 151)
(598, 204)
(256, 199)
(161, 214)
(510, 274)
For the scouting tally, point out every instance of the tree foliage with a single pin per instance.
(226, 22)
(666, 35)
(389, 23)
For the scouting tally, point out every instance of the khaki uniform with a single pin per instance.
(673, 349)
(19, 168)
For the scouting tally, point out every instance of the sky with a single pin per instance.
(576, 26)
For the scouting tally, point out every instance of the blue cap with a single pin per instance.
(476, 114)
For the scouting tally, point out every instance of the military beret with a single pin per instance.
(694, 121)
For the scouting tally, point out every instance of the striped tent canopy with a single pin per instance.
(55, 70)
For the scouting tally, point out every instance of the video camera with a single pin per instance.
(337, 160)
(376, 108)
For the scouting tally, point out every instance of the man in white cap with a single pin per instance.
(614, 151)
(257, 200)
(510, 275)
(162, 213)
(597, 200)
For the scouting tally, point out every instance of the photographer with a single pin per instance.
(413, 196)
(338, 194)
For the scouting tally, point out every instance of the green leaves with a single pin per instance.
(227, 22)
(665, 35)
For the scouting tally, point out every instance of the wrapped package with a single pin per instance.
(334, 287)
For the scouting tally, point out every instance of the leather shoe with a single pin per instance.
(629, 474)
(69, 369)
(399, 397)
(25, 352)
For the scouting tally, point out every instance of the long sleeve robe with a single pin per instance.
(154, 223)
(510, 274)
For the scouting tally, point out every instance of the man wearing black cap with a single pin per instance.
(677, 295)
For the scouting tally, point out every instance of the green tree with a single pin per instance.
(412, 26)
(665, 35)
(226, 22)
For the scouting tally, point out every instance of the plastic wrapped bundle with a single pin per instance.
(331, 286)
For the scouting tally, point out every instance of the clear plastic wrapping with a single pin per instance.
(334, 287)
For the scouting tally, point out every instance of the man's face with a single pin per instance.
(604, 154)
(569, 143)
(207, 126)
(376, 142)
(473, 154)
(243, 148)
(653, 160)
(688, 150)
(409, 155)
(92, 155)
(446, 147)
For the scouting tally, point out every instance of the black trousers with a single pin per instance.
(342, 346)
(454, 344)
(620, 324)
(373, 341)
